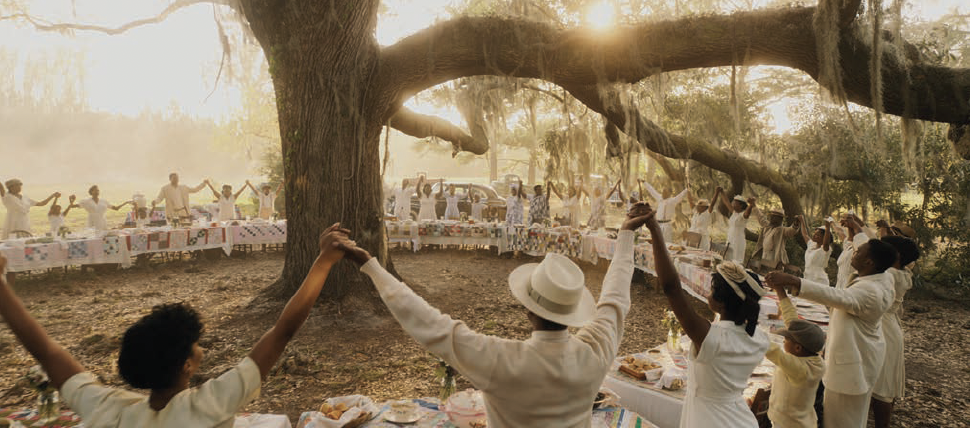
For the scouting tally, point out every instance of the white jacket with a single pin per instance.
(855, 349)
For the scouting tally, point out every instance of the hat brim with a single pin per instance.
(519, 281)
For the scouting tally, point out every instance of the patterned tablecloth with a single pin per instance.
(118, 246)
(432, 418)
(70, 419)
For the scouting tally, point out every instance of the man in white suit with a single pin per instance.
(855, 349)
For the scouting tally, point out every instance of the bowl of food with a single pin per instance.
(465, 408)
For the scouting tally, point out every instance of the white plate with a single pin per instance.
(404, 419)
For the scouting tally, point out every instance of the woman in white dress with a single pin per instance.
(740, 211)
(818, 251)
(597, 207)
(451, 209)
(18, 207)
(227, 200)
(514, 210)
(428, 200)
(97, 208)
(891, 383)
(703, 217)
(267, 198)
(723, 354)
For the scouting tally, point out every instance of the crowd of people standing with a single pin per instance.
(174, 196)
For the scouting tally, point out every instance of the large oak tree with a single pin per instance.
(336, 88)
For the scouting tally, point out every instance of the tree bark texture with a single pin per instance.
(322, 59)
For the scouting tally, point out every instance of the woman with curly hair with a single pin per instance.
(161, 353)
(723, 354)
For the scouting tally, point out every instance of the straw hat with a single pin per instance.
(13, 182)
(554, 289)
(905, 229)
(739, 198)
(778, 212)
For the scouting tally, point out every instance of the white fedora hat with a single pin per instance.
(555, 290)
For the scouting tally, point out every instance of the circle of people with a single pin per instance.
(174, 194)
(552, 378)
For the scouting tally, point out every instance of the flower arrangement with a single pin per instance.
(48, 402)
(446, 375)
(673, 330)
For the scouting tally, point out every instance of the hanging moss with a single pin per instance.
(827, 35)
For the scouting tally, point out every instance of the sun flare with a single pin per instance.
(601, 16)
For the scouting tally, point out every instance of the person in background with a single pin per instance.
(513, 206)
(428, 200)
(18, 207)
(666, 207)
(227, 200)
(477, 208)
(97, 208)
(818, 251)
(161, 353)
(855, 237)
(773, 237)
(856, 349)
(402, 201)
(628, 202)
(267, 198)
(56, 217)
(570, 204)
(451, 203)
(551, 379)
(539, 204)
(176, 197)
(702, 219)
(737, 222)
(800, 369)
(723, 354)
(597, 206)
(891, 383)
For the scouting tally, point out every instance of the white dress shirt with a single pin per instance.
(213, 404)
(96, 212)
(176, 199)
(18, 210)
(666, 208)
(227, 207)
(548, 380)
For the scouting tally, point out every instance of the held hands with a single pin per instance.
(71, 199)
(782, 281)
(329, 249)
(352, 251)
(640, 214)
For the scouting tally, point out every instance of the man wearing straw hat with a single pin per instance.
(773, 236)
(666, 205)
(701, 220)
(552, 378)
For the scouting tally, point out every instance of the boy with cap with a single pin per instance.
(799, 372)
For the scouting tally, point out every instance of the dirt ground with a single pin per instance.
(339, 354)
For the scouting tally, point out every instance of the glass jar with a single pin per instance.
(48, 407)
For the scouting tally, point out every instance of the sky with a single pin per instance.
(175, 62)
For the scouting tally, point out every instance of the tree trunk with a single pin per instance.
(321, 57)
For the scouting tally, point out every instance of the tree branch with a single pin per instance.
(43, 25)
(424, 126)
(606, 101)
(471, 46)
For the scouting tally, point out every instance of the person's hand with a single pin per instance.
(719, 189)
(352, 251)
(640, 214)
(329, 248)
(57, 194)
(752, 200)
(778, 279)
(247, 181)
(72, 198)
(882, 224)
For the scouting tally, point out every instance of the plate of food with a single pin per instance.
(403, 412)
(639, 368)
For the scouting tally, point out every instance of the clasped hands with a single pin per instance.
(783, 282)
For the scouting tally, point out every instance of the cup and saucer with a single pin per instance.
(403, 412)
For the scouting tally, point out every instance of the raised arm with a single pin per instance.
(619, 189)
(827, 241)
(710, 208)
(279, 187)
(804, 229)
(441, 188)
(269, 347)
(861, 300)
(751, 207)
(241, 190)
(3, 191)
(213, 188)
(657, 197)
(614, 189)
(54, 195)
(50, 212)
(694, 325)
(201, 186)
(68, 209)
(55, 360)
(118, 207)
(159, 198)
(552, 187)
(724, 200)
(680, 196)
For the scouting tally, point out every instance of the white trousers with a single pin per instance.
(844, 410)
